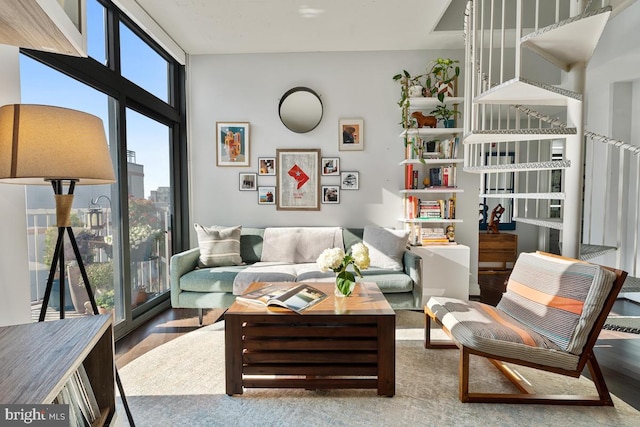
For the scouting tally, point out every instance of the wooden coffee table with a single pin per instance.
(334, 344)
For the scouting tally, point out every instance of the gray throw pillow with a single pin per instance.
(219, 246)
(386, 246)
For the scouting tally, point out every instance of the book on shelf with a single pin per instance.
(298, 298)
(408, 176)
(78, 394)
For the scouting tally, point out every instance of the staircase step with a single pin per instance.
(514, 135)
(538, 196)
(570, 41)
(554, 223)
(526, 92)
(588, 252)
(517, 167)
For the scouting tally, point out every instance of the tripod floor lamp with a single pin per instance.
(45, 145)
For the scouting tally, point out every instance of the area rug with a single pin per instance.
(182, 383)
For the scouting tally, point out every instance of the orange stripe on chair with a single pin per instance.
(526, 338)
(561, 303)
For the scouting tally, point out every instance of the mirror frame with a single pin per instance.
(315, 122)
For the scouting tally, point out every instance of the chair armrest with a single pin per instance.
(180, 264)
(413, 268)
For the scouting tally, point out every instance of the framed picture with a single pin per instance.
(330, 166)
(350, 180)
(266, 165)
(232, 144)
(248, 181)
(298, 179)
(351, 134)
(266, 195)
(330, 194)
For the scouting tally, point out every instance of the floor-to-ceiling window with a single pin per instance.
(126, 231)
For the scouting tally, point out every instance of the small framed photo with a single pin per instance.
(232, 144)
(330, 166)
(351, 134)
(248, 181)
(266, 165)
(350, 180)
(266, 195)
(330, 194)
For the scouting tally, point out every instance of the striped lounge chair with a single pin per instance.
(548, 319)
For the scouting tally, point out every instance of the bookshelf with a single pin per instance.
(430, 169)
(39, 360)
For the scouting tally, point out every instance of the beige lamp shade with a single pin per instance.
(40, 142)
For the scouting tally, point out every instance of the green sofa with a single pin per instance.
(213, 287)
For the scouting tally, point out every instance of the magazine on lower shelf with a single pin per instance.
(298, 298)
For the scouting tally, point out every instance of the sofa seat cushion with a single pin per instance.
(212, 279)
(264, 272)
(485, 328)
(388, 281)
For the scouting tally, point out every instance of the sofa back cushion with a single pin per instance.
(219, 246)
(386, 246)
(299, 244)
(558, 298)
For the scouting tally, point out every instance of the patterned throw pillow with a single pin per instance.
(219, 246)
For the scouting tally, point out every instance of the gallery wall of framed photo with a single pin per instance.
(293, 179)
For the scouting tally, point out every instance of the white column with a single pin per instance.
(15, 288)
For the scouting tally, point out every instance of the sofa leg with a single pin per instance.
(200, 313)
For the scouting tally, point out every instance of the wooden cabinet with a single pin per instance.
(38, 359)
(497, 253)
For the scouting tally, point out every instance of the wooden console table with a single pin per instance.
(334, 344)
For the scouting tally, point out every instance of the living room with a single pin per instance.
(247, 87)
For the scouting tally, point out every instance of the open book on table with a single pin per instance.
(298, 298)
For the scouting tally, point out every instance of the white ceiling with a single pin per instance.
(261, 26)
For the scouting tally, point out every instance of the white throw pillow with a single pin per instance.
(386, 246)
(219, 246)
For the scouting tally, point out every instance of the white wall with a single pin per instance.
(613, 102)
(247, 88)
(14, 258)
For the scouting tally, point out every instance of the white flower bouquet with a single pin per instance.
(335, 259)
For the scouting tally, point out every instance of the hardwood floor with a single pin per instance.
(617, 352)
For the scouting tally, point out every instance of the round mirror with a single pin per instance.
(300, 109)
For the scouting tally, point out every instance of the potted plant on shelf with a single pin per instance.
(446, 115)
(444, 71)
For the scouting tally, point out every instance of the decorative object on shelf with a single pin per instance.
(451, 233)
(298, 179)
(335, 259)
(266, 195)
(300, 109)
(49, 139)
(494, 221)
(444, 72)
(248, 182)
(351, 134)
(330, 166)
(446, 115)
(350, 180)
(232, 144)
(267, 165)
(330, 194)
(422, 120)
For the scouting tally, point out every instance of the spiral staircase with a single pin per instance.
(527, 160)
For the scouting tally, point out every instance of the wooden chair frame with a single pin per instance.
(527, 394)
